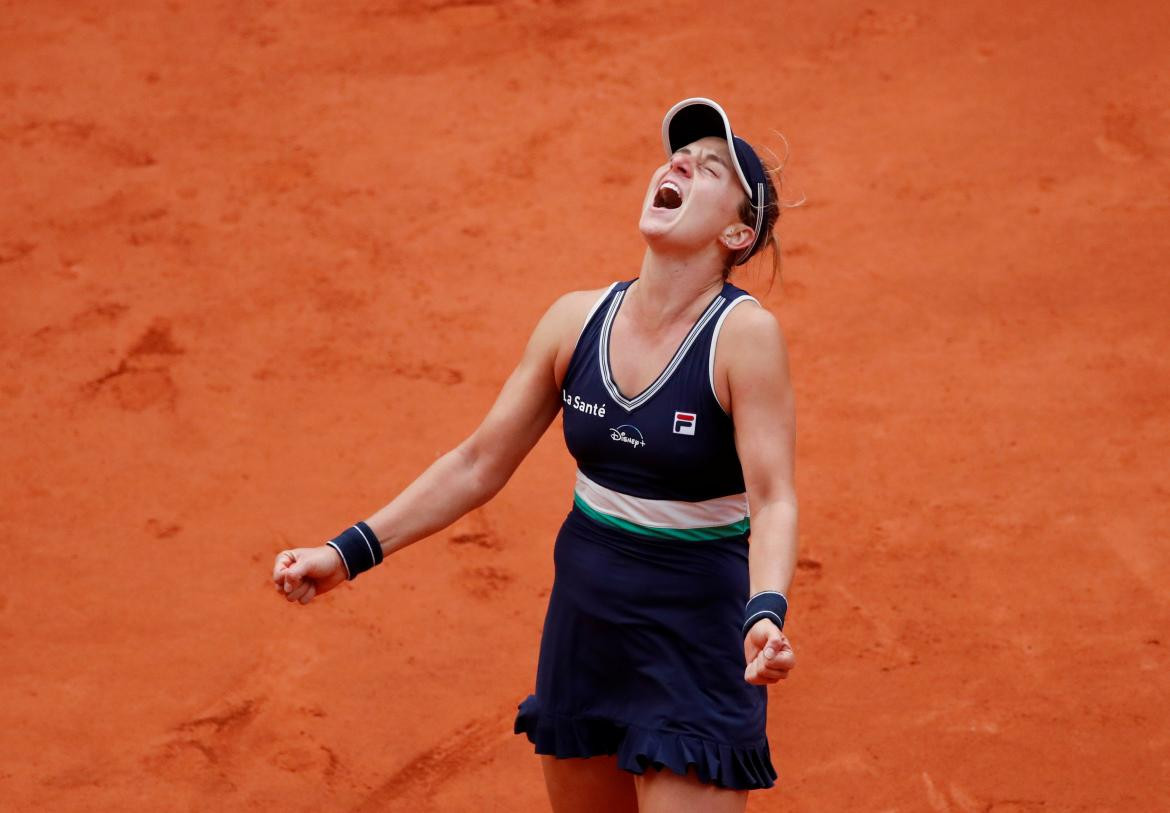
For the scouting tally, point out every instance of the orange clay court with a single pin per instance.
(263, 262)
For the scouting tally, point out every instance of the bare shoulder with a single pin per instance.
(751, 355)
(565, 317)
(574, 306)
(563, 322)
(752, 331)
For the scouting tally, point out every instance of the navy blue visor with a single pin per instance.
(692, 119)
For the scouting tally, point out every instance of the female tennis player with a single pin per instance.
(664, 626)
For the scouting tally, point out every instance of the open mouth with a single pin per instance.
(668, 196)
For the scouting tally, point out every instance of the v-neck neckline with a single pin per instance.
(630, 404)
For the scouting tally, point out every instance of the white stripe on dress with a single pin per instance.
(662, 513)
(715, 339)
(593, 310)
(603, 353)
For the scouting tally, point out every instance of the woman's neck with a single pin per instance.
(671, 288)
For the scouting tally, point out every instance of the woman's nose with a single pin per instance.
(681, 162)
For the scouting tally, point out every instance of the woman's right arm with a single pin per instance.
(470, 474)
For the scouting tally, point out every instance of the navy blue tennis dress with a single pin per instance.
(641, 654)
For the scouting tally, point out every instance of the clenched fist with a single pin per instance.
(768, 654)
(301, 573)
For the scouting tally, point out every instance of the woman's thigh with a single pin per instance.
(589, 785)
(666, 792)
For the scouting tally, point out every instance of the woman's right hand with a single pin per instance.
(302, 573)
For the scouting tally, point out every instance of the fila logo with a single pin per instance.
(684, 423)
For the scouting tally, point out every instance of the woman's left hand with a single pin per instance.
(768, 654)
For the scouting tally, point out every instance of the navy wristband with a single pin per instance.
(359, 549)
(765, 604)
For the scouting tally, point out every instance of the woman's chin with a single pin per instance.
(657, 239)
(650, 231)
(656, 223)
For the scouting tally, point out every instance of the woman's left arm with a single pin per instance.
(760, 402)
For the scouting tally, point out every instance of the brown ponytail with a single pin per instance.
(774, 176)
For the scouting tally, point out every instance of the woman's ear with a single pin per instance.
(737, 236)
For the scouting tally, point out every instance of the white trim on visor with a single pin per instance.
(699, 100)
(747, 252)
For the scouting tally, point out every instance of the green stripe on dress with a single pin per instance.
(693, 534)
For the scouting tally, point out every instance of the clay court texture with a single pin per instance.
(263, 262)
